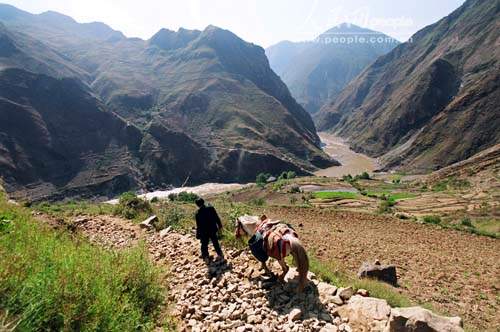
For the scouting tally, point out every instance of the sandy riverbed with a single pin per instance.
(352, 162)
(201, 190)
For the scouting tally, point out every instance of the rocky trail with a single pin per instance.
(234, 296)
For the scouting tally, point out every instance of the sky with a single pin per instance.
(263, 22)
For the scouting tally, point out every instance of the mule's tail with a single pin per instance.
(301, 260)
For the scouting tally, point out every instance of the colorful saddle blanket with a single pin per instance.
(276, 238)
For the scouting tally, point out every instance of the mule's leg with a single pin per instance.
(285, 269)
(266, 269)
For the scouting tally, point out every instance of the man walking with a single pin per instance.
(207, 225)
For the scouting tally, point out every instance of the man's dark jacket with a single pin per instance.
(207, 222)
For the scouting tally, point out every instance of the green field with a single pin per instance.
(335, 195)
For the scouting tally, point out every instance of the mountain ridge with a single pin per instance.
(206, 105)
(428, 94)
(316, 71)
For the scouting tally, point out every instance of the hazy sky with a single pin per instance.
(263, 22)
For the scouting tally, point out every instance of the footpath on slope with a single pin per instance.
(234, 296)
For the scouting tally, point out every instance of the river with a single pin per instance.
(352, 162)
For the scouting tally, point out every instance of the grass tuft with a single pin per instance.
(130, 206)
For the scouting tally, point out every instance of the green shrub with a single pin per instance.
(130, 206)
(52, 283)
(306, 198)
(386, 206)
(294, 190)
(432, 219)
(172, 216)
(287, 175)
(258, 201)
(261, 179)
(363, 176)
(467, 222)
(228, 237)
(183, 196)
(347, 178)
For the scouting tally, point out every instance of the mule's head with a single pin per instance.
(246, 225)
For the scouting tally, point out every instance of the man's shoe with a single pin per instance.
(220, 259)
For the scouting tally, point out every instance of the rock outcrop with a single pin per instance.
(417, 319)
(376, 270)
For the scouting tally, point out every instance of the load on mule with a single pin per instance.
(274, 239)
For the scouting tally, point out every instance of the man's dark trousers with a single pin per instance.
(204, 245)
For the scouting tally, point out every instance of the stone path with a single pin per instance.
(234, 296)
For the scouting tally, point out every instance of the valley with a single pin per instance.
(382, 158)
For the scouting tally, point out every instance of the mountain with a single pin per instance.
(110, 113)
(316, 71)
(429, 102)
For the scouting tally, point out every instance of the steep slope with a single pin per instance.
(316, 71)
(55, 138)
(430, 102)
(204, 105)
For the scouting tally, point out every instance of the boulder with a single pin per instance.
(149, 223)
(295, 314)
(164, 232)
(386, 273)
(363, 292)
(418, 319)
(345, 293)
(271, 179)
(366, 313)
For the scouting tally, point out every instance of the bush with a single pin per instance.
(130, 206)
(363, 176)
(261, 179)
(385, 206)
(55, 284)
(293, 200)
(172, 216)
(294, 190)
(278, 185)
(258, 201)
(287, 175)
(467, 222)
(183, 196)
(347, 178)
(432, 220)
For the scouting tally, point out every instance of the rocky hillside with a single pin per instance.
(429, 102)
(186, 105)
(317, 71)
(234, 296)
